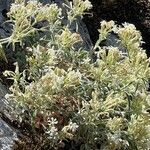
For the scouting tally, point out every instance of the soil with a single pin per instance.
(131, 11)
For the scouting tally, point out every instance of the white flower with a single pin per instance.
(108, 25)
(87, 4)
(130, 26)
(53, 133)
(52, 121)
(72, 126)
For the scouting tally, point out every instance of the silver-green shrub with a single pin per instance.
(95, 105)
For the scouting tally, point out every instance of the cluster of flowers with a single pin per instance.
(95, 105)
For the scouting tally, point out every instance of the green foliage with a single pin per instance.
(66, 96)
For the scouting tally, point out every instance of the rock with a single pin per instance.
(112, 40)
(4, 104)
(8, 135)
(4, 28)
(4, 4)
